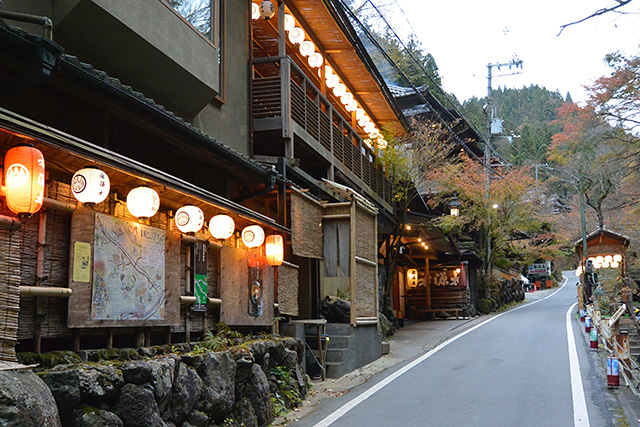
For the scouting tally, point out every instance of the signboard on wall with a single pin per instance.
(129, 271)
(200, 278)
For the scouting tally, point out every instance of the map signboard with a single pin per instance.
(129, 271)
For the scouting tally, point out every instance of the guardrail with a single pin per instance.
(629, 368)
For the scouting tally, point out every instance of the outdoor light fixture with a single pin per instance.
(315, 60)
(608, 258)
(412, 278)
(189, 219)
(331, 80)
(289, 22)
(221, 226)
(307, 48)
(346, 98)
(339, 90)
(24, 179)
(143, 202)
(454, 206)
(296, 35)
(252, 236)
(90, 185)
(274, 249)
(255, 11)
(617, 258)
(267, 9)
(351, 106)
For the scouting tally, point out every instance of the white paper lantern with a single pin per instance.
(255, 11)
(331, 80)
(339, 90)
(617, 258)
(307, 48)
(289, 22)
(221, 226)
(90, 185)
(253, 236)
(143, 202)
(189, 219)
(351, 106)
(315, 60)
(296, 35)
(608, 258)
(267, 9)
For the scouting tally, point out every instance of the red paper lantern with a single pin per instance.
(24, 179)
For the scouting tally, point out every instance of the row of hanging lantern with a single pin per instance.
(602, 261)
(24, 193)
(315, 59)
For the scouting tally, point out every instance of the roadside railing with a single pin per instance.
(617, 345)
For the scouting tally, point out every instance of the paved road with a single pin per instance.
(513, 370)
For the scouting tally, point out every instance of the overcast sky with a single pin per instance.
(465, 35)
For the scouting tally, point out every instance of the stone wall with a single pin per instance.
(182, 386)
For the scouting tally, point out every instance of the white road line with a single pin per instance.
(580, 414)
(334, 416)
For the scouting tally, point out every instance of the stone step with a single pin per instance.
(339, 329)
(336, 370)
(335, 355)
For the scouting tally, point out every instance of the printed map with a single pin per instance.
(128, 273)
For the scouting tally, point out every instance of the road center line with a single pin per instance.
(338, 413)
(580, 414)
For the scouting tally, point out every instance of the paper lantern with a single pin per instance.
(253, 236)
(307, 48)
(615, 264)
(331, 80)
(143, 202)
(608, 258)
(267, 9)
(274, 249)
(289, 22)
(90, 185)
(351, 106)
(346, 98)
(296, 35)
(221, 226)
(315, 60)
(255, 11)
(189, 219)
(339, 90)
(24, 179)
(617, 258)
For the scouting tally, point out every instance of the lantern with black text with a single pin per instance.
(143, 202)
(274, 249)
(90, 185)
(24, 179)
(189, 219)
(252, 236)
(221, 226)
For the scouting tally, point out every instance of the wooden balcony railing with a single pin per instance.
(292, 103)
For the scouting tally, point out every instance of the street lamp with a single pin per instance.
(454, 206)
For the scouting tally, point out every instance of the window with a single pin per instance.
(207, 17)
(202, 14)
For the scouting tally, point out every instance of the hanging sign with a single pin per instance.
(200, 276)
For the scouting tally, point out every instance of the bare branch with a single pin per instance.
(599, 12)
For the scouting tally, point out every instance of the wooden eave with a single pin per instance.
(350, 61)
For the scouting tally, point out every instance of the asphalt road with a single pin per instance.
(513, 369)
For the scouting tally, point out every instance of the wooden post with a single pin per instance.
(352, 260)
(110, 338)
(38, 312)
(427, 282)
(139, 338)
(76, 340)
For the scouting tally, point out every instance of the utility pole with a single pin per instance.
(490, 111)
